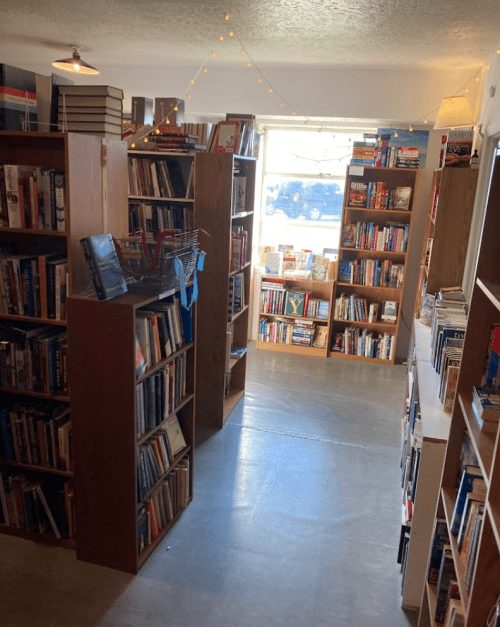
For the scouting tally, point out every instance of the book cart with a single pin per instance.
(425, 434)
(447, 228)
(93, 170)
(390, 178)
(217, 215)
(322, 290)
(107, 434)
(479, 586)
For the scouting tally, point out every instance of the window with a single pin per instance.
(303, 187)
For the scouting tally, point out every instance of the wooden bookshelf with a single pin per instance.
(479, 597)
(95, 197)
(215, 215)
(427, 443)
(367, 287)
(322, 290)
(448, 226)
(105, 411)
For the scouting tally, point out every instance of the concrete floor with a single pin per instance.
(294, 522)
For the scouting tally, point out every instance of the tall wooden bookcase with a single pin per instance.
(484, 312)
(95, 201)
(102, 366)
(447, 229)
(391, 178)
(214, 215)
(319, 289)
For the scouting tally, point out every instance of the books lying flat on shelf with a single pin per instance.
(389, 311)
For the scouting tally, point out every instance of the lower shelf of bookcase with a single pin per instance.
(293, 348)
(150, 548)
(373, 360)
(39, 538)
(231, 400)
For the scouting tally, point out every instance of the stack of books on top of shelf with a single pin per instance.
(449, 319)
(170, 138)
(486, 406)
(303, 332)
(91, 109)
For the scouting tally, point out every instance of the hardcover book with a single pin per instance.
(295, 303)
(227, 136)
(357, 194)
(402, 197)
(104, 265)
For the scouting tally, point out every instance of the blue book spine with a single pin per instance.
(466, 485)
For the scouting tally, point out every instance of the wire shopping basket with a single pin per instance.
(156, 262)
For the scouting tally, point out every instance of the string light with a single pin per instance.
(192, 81)
(205, 70)
(242, 51)
(270, 90)
(188, 95)
(259, 80)
(214, 54)
(396, 134)
(249, 64)
(282, 104)
(227, 16)
(176, 108)
(231, 34)
(221, 38)
(294, 112)
(410, 128)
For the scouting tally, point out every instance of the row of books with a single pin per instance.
(32, 198)
(373, 272)
(391, 237)
(37, 505)
(38, 434)
(286, 331)
(379, 154)
(162, 328)
(364, 343)
(297, 264)
(357, 309)
(157, 454)
(159, 395)
(163, 505)
(158, 178)
(278, 298)
(34, 358)
(152, 217)
(164, 140)
(233, 135)
(201, 130)
(236, 301)
(239, 249)
(375, 195)
(238, 204)
(34, 285)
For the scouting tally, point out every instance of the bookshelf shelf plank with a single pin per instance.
(359, 323)
(231, 400)
(40, 538)
(160, 199)
(314, 351)
(40, 469)
(51, 321)
(373, 253)
(483, 442)
(491, 290)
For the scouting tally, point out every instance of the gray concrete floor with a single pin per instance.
(294, 522)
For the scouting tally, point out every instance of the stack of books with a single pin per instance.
(486, 406)
(91, 109)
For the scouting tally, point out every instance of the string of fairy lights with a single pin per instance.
(231, 34)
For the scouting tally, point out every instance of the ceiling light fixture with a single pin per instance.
(75, 64)
(454, 112)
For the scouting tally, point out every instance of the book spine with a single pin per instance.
(92, 265)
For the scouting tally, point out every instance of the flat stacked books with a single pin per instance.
(486, 406)
(91, 109)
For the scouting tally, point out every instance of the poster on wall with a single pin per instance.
(408, 139)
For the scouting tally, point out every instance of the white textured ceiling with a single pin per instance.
(438, 34)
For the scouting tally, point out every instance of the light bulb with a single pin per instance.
(76, 67)
(466, 90)
(487, 67)
(410, 128)
(145, 140)
(425, 121)
(205, 70)
(259, 80)
(214, 54)
(396, 134)
(270, 90)
(294, 112)
(498, 51)
(227, 16)
(192, 81)
(176, 108)
(188, 95)
(242, 52)
(167, 121)
(231, 34)
(249, 64)
(132, 145)
(282, 104)
(221, 38)
(157, 131)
